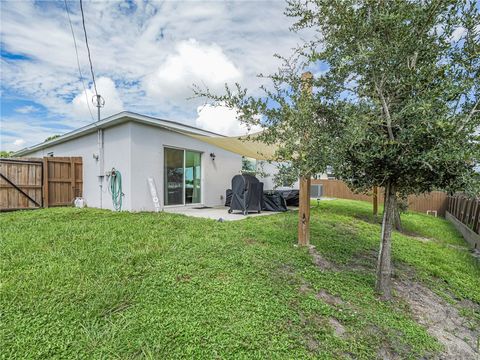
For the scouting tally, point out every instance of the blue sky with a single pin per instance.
(146, 56)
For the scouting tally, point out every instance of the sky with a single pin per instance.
(146, 57)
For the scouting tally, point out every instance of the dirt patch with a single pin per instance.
(365, 261)
(249, 241)
(312, 344)
(305, 288)
(385, 353)
(441, 319)
(183, 278)
(328, 298)
(421, 239)
(338, 328)
(319, 260)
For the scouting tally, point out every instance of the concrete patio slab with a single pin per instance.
(215, 213)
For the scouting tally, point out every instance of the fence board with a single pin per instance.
(466, 210)
(64, 180)
(22, 175)
(51, 181)
(434, 201)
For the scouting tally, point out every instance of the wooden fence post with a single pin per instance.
(304, 211)
(305, 180)
(375, 200)
(45, 182)
(476, 219)
(72, 177)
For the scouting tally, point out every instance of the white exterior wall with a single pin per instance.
(117, 154)
(136, 150)
(270, 169)
(148, 143)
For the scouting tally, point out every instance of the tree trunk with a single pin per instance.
(375, 201)
(398, 219)
(384, 266)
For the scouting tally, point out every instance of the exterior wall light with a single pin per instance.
(212, 156)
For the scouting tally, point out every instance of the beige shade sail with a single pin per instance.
(243, 145)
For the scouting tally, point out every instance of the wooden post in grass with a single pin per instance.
(305, 180)
(304, 212)
(375, 200)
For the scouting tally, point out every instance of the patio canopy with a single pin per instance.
(243, 145)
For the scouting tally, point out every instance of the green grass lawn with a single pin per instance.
(85, 283)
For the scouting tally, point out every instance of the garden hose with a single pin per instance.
(116, 189)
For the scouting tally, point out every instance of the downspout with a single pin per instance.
(101, 171)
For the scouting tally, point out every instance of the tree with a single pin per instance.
(403, 76)
(52, 137)
(5, 154)
(286, 175)
(291, 116)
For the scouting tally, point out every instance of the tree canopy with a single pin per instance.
(290, 115)
(403, 77)
(395, 106)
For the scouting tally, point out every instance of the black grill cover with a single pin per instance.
(291, 197)
(228, 197)
(274, 201)
(247, 193)
(271, 200)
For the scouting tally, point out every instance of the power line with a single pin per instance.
(78, 61)
(88, 49)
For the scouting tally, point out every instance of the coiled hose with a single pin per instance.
(116, 189)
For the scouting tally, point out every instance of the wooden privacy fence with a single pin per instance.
(434, 201)
(34, 182)
(466, 210)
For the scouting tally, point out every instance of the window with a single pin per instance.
(182, 177)
(249, 165)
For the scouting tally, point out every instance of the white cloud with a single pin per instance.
(222, 120)
(19, 142)
(106, 88)
(192, 62)
(152, 52)
(30, 130)
(26, 109)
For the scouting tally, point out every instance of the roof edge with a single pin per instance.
(117, 119)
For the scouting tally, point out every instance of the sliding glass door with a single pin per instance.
(192, 177)
(182, 179)
(173, 182)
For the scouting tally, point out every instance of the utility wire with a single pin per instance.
(78, 61)
(88, 48)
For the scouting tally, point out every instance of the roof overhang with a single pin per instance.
(247, 146)
(118, 119)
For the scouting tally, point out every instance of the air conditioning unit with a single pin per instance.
(316, 191)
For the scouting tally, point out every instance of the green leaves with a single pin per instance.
(414, 108)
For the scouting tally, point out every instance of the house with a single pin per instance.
(186, 170)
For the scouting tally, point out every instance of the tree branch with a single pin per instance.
(469, 116)
(386, 111)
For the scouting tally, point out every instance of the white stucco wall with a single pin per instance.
(136, 150)
(116, 154)
(148, 143)
(270, 169)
